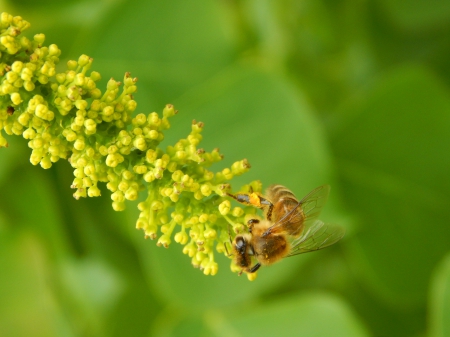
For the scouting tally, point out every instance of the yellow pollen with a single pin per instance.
(255, 200)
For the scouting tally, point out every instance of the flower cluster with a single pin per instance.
(64, 115)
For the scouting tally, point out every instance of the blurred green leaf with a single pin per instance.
(315, 314)
(261, 117)
(12, 157)
(39, 4)
(167, 49)
(439, 303)
(30, 204)
(173, 323)
(417, 14)
(28, 305)
(391, 151)
(135, 311)
(309, 315)
(166, 34)
(90, 289)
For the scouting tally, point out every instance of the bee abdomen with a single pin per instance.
(272, 249)
(277, 193)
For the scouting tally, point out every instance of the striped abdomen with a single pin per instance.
(285, 209)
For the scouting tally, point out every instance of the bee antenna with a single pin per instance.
(229, 234)
(226, 249)
(231, 241)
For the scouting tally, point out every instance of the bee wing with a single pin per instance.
(317, 236)
(311, 206)
(313, 203)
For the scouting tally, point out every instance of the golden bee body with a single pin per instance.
(285, 202)
(290, 227)
(270, 248)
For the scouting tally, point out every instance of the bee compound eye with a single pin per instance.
(240, 242)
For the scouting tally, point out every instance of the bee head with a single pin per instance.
(240, 244)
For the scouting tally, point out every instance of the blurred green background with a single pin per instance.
(351, 93)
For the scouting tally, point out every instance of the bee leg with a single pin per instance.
(241, 198)
(250, 224)
(255, 200)
(266, 203)
(254, 268)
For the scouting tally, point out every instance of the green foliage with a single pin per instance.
(439, 303)
(354, 94)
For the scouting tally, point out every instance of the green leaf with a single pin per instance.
(439, 304)
(30, 200)
(135, 312)
(12, 156)
(258, 115)
(313, 314)
(90, 290)
(392, 154)
(417, 14)
(168, 49)
(174, 323)
(309, 315)
(28, 304)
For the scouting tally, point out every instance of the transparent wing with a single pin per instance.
(311, 206)
(317, 236)
(313, 203)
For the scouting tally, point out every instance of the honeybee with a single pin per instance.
(290, 227)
